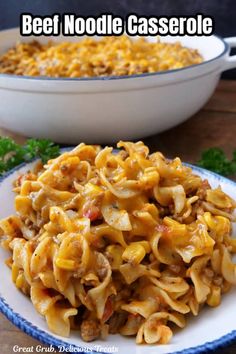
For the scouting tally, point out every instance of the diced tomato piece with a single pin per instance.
(24, 177)
(19, 180)
(98, 243)
(108, 311)
(72, 189)
(92, 212)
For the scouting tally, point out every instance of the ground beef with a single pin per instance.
(116, 321)
(90, 330)
(201, 192)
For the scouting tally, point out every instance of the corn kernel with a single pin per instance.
(134, 253)
(145, 245)
(23, 205)
(67, 264)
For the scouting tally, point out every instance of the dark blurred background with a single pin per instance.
(223, 11)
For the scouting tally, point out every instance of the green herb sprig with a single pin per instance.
(214, 159)
(13, 154)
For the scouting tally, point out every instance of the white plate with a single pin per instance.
(213, 328)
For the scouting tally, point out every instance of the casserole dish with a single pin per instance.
(106, 109)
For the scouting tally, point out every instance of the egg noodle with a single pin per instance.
(117, 56)
(126, 242)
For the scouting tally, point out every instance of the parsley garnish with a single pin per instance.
(13, 154)
(214, 159)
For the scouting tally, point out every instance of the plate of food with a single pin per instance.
(116, 251)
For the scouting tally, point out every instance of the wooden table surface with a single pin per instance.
(214, 125)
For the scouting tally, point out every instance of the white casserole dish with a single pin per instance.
(102, 110)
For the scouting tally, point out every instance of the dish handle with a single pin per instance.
(230, 61)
